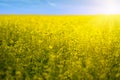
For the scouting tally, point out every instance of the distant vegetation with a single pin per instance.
(59, 47)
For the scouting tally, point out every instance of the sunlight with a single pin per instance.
(110, 7)
(110, 10)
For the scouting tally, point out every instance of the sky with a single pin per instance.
(59, 6)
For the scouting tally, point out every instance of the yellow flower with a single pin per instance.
(50, 47)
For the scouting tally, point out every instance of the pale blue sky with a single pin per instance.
(59, 6)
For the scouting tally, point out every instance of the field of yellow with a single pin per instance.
(59, 47)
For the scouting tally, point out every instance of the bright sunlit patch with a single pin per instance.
(110, 7)
(110, 10)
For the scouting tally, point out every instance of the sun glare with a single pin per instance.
(110, 7)
(110, 10)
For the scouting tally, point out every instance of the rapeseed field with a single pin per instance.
(34, 47)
